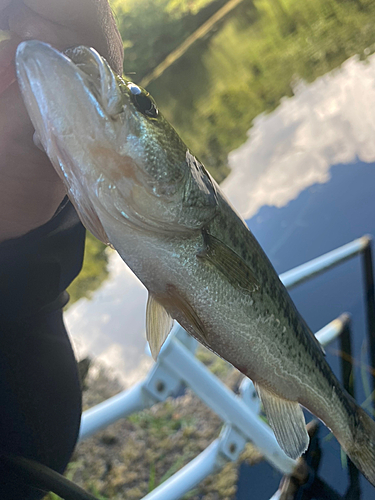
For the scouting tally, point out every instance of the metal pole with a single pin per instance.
(321, 264)
(109, 411)
(330, 332)
(187, 478)
(346, 348)
(370, 306)
(346, 371)
(322, 491)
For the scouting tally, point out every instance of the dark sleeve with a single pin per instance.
(35, 269)
(40, 396)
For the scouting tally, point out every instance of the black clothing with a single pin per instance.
(40, 395)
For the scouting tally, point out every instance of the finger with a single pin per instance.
(26, 24)
(94, 26)
(7, 68)
(29, 25)
(93, 19)
(30, 189)
(71, 12)
(4, 4)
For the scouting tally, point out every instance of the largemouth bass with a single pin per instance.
(136, 186)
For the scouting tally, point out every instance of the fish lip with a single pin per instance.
(32, 56)
(31, 49)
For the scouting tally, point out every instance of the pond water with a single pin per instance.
(280, 100)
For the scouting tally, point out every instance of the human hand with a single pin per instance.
(30, 189)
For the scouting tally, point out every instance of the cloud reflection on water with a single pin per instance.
(110, 327)
(331, 121)
(328, 122)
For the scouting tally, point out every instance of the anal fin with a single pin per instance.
(158, 325)
(287, 421)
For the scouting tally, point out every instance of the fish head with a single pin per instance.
(117, 155)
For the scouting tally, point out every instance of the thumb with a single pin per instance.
(8, 48)
(92, 18)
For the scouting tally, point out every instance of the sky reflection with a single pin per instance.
(110, 327)
(328, 122)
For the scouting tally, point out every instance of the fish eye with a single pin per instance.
(142, 101)
(134, 89)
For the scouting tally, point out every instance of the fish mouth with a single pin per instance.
(99, 76)
(60, 88)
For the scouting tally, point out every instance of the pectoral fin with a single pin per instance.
(158, 325)
(287, 421)
(231, 265)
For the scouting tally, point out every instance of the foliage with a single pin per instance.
(94, 270)
(151, 29)
(137, 454)
(216, 365)
(164, 423)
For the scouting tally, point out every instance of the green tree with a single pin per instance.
(151, 29)
(94, 270)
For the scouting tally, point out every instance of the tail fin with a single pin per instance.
(361, 450)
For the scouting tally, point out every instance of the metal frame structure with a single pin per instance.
(177, 368)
